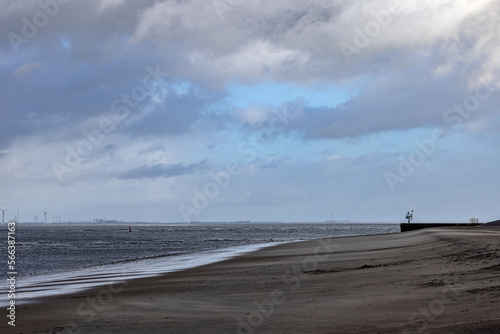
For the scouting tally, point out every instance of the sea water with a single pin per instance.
(56, 259)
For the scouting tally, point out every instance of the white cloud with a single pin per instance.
(334, 157)
(427, 57)
(255, 61)
(253, 116)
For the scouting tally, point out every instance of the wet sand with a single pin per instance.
(439, 280)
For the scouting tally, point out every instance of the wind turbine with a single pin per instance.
(45, 213)
(332, 216)
(3, 212)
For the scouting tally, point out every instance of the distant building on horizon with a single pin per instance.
(105, 221)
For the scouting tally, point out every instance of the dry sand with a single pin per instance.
(440, 280)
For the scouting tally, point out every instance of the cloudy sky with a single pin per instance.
(223, 110)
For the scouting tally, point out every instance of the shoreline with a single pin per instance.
(32, 289)
(114, 244)
(434, 279)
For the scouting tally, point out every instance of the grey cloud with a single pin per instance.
(163, 171)
(71, 20)
(395, 103)
(175, 114)
(59, 97)
(69, 84)
(314, 30)
(293, 41)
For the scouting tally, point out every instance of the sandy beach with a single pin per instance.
(440, 280)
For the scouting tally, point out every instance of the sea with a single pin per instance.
(59, 259)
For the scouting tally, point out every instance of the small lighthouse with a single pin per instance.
(409, 216)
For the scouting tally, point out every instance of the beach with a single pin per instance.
(438, 280)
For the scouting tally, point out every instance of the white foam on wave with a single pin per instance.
(35, 288)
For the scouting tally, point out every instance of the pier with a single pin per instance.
(405, 227)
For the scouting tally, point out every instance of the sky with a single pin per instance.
(235, 110)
